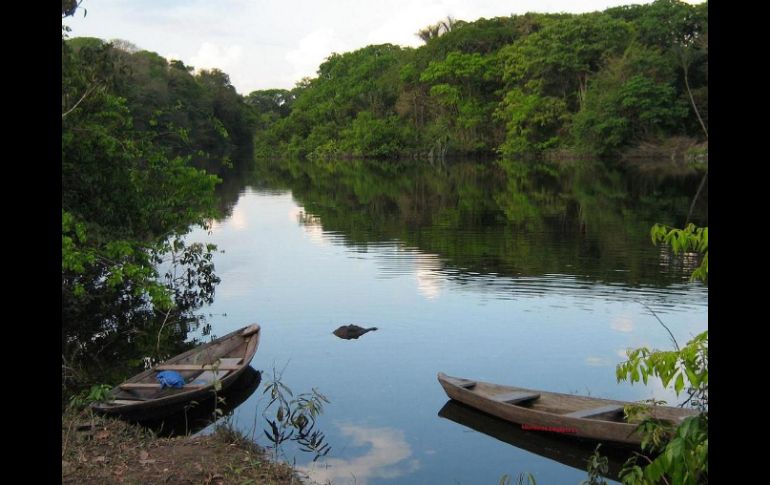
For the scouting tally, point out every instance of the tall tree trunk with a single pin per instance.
(694, 106)
(684, 57)
(582, 88)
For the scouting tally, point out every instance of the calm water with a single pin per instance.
(501, 277)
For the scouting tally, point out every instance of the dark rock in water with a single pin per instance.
(351, 331)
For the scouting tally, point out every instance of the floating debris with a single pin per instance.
(352, 331)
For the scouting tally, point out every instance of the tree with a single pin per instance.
(564, 53)
(68, 7)
(126, 200)
(435, 30)
(633, 99)
(463, 87)
(347, 84)
(680, 31)
(275, 101)
(547, 75)
(681, 452)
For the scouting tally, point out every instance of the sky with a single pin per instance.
(263, 44)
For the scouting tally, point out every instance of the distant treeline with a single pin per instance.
(595, 83)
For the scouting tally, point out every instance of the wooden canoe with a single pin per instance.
(220, 361)
(194, 418)
(574, 453)
(584, 417)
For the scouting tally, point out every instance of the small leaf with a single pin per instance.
(679, 385)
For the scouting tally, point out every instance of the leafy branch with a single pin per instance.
(690, 239)
(294, 418)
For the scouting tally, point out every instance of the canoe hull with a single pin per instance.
(549, 411)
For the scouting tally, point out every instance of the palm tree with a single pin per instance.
(437, 29)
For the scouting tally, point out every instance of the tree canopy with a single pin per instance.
(599, 83)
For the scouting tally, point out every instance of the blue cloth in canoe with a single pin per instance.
(170, 378)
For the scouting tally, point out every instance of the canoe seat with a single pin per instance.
(202, 380)
(148, 385)
(516, 397)
(207, 377)
(179, 367)
(122, 402)
(591, 412)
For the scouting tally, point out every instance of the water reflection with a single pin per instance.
(595, 361)
(434, 275)
(623, 323)
(388, 457)
(428, 272)
(507, 218)
(564, 449)
(311, 224)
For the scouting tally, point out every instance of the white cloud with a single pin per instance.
(211, 55)
(312, 50)
(401, 24)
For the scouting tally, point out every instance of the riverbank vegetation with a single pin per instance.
(674, 453)
(143, 142)
(597, 83)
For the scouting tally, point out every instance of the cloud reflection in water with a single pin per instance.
(428, 273)
(311, 224)
(388, 457)
(622, 323)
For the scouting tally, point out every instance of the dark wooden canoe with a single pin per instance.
(584, 417)
(220, 361)
(194, 418)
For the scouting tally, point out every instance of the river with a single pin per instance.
(535, 277)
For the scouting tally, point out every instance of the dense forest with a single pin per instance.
(596, 83)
